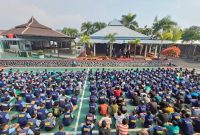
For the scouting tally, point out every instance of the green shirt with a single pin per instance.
(172, 130)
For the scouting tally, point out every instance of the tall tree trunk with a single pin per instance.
(111, 50)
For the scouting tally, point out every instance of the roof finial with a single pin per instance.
(115, 22)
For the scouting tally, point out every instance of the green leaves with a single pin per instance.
(192, 33)
(166, 29)
(163, 25)
(165, 35)
(129, 21)
(111, 37)
(70, 32)
(162, 28)
(85, 39)
(146, 31)
(177, 34)
(89, 28)
(98, 26)
(135, 42)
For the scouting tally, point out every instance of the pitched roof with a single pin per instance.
(122, 32)
(34, 28)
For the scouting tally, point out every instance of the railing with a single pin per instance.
(80, 63)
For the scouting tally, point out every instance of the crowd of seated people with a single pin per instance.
(41, 100)
(81, 63)
(163, 101)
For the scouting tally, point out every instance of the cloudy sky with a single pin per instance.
(71, 13)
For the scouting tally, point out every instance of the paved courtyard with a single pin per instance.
(187, 63)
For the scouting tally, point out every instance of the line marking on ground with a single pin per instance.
(89, 99)
(96, 131)
(81, 104)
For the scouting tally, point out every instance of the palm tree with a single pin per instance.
(146, 30)
(163, 25)
(98, 26)
(135, 42)
(111, 39)
(85, 40)
(87, 28)
(167, 35)
(173, 34)
(129, 21)
(70, 32)
(177, 34)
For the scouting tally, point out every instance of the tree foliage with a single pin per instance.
(135, 42)
(85, 39)
(165, 24)
(129, 21)
(165, 35)
(89, 28)
(163, 28)
(111, 37)
(172, 51)
(192, 33)
(146, 30)
(98, 26)
(70, 32)
(176, 33)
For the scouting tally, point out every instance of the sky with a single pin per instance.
(72, 13)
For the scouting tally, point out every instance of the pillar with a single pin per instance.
(110, 49)
(141, 48)
(194, 50)
(145, 52)
(94, 49)
(155, 53)
(150, 48)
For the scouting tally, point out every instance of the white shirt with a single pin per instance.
(119, 118)
(108, 121)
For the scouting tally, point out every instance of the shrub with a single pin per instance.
(172, 51)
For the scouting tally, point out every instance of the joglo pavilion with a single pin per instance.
(33, 36)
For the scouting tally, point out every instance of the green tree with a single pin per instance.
(191, 34)
(176, 34)
(166, 35)
(87, 28)
(163, 25)
(70, 32)
(111, 39)
(135, 42)
(129, 21)
(98, 26)
(85, 40)
(146, 30)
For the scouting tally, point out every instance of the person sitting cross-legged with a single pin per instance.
(107, 119)
(103, 108)
(61, 131)
(103, 129)
(50, 122)
(68, 117)
(122, 128)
